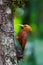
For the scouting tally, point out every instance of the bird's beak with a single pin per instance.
(20, 25)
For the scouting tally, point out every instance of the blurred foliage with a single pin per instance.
(16, 27)
(18, 19)
(16, 3)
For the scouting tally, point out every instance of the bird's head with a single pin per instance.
(27, 28)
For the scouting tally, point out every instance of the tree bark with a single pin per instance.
(7, 45)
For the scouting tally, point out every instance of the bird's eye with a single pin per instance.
(25, 25)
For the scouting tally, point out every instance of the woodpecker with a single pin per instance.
(22, 36)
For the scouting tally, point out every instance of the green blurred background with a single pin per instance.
(30, 12)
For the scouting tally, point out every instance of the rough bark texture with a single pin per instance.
(7, 47)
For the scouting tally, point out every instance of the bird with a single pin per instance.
(23, 34)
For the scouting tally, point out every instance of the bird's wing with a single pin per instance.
(24, 38)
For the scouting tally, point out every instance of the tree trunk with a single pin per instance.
(7, 48)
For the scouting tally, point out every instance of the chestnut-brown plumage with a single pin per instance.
(22, 36)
